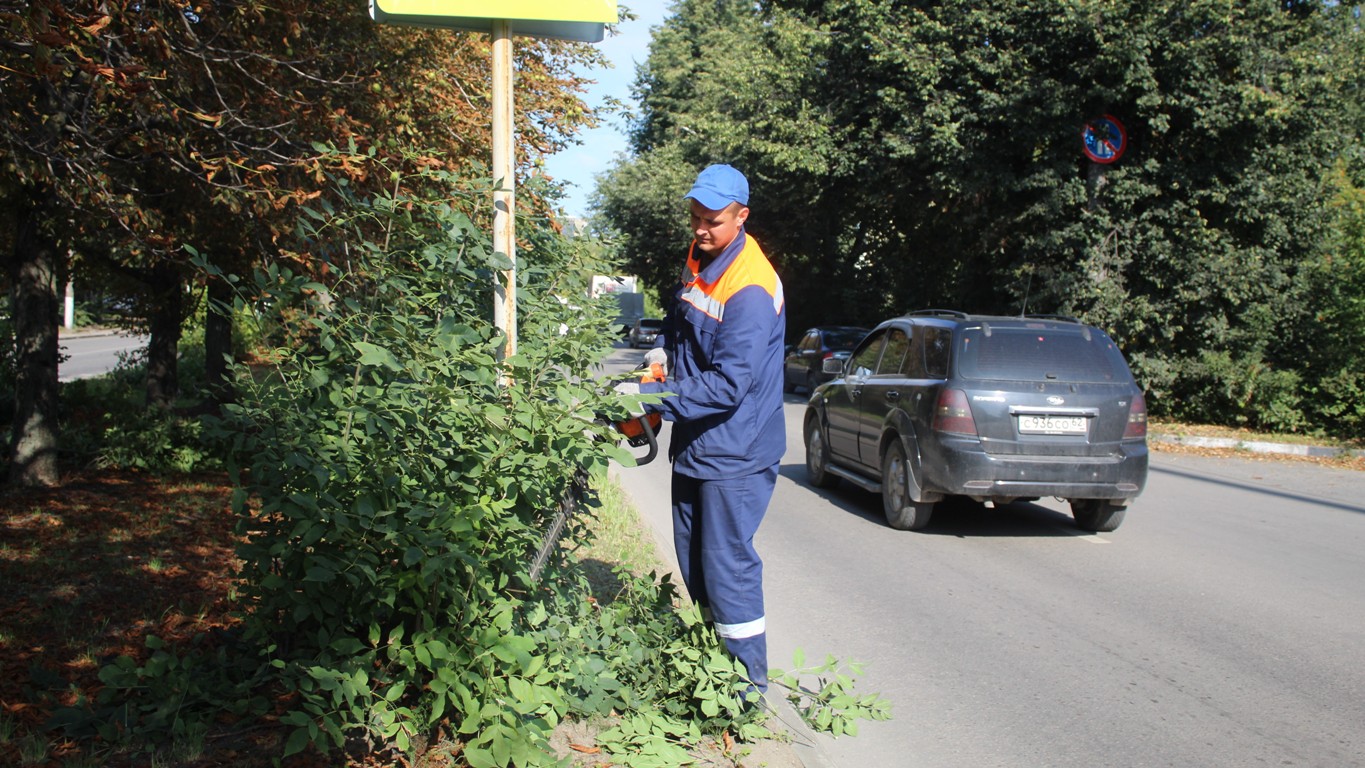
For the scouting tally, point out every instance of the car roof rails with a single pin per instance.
(938, 313)
(1064, 318)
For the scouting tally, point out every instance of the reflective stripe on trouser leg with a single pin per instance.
(714, 522)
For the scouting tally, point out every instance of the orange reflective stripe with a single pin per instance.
(750, 267)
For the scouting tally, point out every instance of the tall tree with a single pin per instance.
(941, 163)
(722, 84)
(153, 125)
(33, 275)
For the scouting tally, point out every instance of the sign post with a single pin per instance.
(1103, 140)
(581, 20)
(504, 189)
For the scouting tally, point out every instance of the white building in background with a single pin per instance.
(573, 226)
(604, 284)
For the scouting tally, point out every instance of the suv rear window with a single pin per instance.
(843, 339)
(1039, 354)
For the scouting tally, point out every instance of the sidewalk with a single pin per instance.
(66, 333)
(1257, 446)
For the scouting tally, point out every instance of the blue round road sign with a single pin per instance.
(1104, 139)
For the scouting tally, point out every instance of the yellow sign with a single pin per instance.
(563, 19)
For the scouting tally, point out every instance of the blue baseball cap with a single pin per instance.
(719, 185)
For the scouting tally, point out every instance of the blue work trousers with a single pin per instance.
(714, 522)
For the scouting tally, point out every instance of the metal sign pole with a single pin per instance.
(504, 194)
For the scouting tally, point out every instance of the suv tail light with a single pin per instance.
(953, 414)
(1137, 419)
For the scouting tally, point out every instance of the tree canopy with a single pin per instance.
(918, 154)
(134, 128)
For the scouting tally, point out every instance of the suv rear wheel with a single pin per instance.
(817, 456)
(1097, 515)
(902, 512)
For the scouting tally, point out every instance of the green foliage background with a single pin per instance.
(393, 492)
(904, 155)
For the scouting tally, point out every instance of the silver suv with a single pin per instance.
(940, 403)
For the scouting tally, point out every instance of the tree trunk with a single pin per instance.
(218, 339)
(168, 312)
(33, 275)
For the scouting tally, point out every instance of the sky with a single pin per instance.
(577, 165)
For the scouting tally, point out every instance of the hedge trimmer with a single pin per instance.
(639, 430)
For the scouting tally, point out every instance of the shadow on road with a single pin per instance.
(955, 516)
(1261, 489)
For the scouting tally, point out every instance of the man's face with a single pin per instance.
(714, 230)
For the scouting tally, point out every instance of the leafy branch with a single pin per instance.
(829, 704)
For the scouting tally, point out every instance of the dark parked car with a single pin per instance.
(645, 331)
(805, 362)
(940, 403)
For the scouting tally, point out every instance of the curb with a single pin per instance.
(803, 744)
(63, 333)
(1258, 446)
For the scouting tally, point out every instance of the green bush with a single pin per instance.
(640, 653)
(1340, 402)
(156, 441)
(1245, 391)
(397, 477)
(106, 422)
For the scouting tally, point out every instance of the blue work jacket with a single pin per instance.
(725, 332)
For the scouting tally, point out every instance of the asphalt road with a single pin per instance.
(1222, 625)
(94, 354)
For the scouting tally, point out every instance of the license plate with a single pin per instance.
(1051, 425)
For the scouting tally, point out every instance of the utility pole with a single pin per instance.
(504, 180)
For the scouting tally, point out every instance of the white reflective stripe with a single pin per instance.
(740, 631)
(699, 299)
(778, 298)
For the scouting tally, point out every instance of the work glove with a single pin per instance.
(630, 389)
(657, 356)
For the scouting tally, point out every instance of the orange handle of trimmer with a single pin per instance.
(642, 430)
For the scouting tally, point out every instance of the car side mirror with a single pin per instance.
(832, 365)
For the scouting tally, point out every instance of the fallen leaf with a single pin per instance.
(584, 749)
(210, 119)
(52, 39)
(97, 25)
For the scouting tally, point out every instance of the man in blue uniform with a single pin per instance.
(724, 335)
